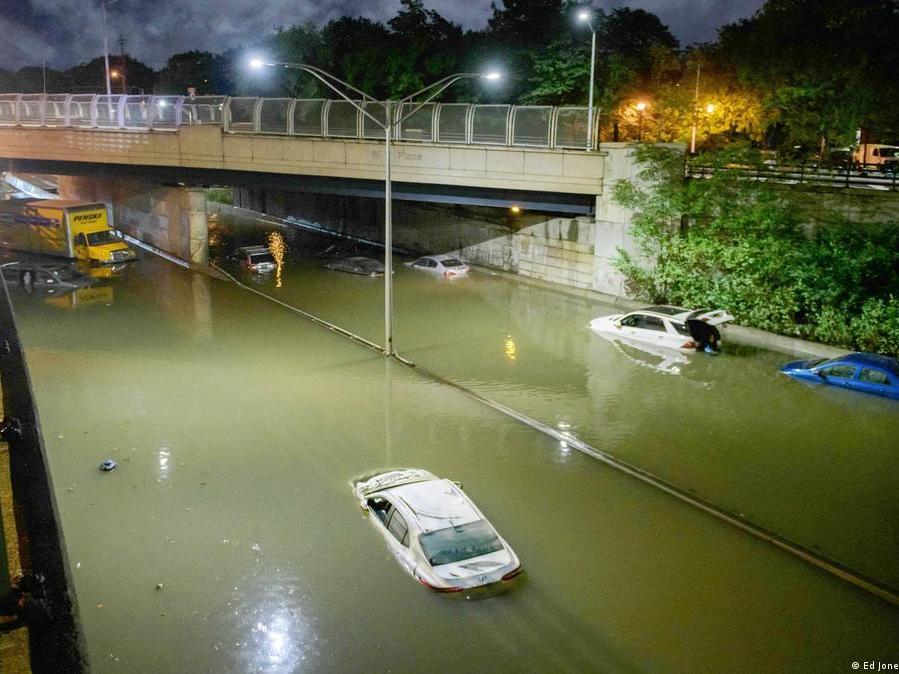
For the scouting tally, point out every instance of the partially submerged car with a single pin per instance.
(258, 259)
(865, 372)
(684, 330)
(435, 531)
(365, 266)
(50, 275)
(446, 265)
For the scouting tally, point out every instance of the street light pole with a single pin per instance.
(640, 106)
(585, 16)
(103, 6)
(388, 237)
(388, 125)
(695, 113)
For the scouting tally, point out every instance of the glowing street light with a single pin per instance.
(585, 16)
(340, 87)
(710, 108)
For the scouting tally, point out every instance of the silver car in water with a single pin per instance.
(435, 531)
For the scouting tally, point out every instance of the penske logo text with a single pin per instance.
(91, 216)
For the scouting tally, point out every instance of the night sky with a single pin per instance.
(68, 32)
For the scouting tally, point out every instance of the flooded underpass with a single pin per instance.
(228, 538)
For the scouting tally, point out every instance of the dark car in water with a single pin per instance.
(865, 372)
(48, 275)
(365, 266)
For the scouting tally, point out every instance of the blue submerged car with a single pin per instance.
(866, 372)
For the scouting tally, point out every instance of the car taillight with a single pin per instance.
(689, 345)
(513, 574)
(436, 588)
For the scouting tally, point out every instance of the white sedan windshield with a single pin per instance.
(465, 541)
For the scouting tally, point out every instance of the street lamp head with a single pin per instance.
(256, 63)
(583, 15)
(492, 75)
(641, 106)
(710, 108)
(113, 73)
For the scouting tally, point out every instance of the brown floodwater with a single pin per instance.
(228, 538)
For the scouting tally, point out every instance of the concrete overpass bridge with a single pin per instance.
(535, 157)
(146, 155)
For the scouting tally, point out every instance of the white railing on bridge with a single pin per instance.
(458, 123)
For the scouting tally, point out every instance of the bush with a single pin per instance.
(740, 244)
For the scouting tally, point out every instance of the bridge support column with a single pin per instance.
(198, 226)
(173, 219)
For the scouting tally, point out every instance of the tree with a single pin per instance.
(355, 49)
(824, 67)
(425, 47)
(190, 69)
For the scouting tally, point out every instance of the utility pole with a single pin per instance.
(122, 69)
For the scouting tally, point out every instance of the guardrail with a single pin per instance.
(886, 181)
(454, 123)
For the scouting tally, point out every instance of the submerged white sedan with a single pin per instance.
(446, 265)
(683, 330)
(434, 530)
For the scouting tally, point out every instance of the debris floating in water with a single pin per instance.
(256, 547)
(159, 586)
(108, 465)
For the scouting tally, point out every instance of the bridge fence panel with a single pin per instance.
(456, 123)
(274, 115)
(135, 112)
(342, 119)
(204, 110)
(490, 124)
(371, 129)
(165, 112)
(531, 125)
(571, 128)
(308, 117)
(31, 110)
(452, 122)
(420, 124)
(55, 106)
(240, 114)
(109, 112)
(82, 110)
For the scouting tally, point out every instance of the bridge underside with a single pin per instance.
(549, 202)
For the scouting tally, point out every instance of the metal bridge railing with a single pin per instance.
(457, 123)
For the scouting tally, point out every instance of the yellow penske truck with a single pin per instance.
(63, 228)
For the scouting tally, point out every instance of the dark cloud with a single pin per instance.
(66, 32)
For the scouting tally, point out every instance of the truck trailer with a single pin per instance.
(72, 229)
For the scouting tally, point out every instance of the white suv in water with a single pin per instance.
(434, 530)
(675, 328)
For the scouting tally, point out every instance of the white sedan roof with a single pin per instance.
(437, 504)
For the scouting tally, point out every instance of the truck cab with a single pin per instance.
(101, 246)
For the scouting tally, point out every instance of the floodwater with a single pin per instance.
(228, 539)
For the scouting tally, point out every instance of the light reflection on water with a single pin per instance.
(266, 607)
(263, 419)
